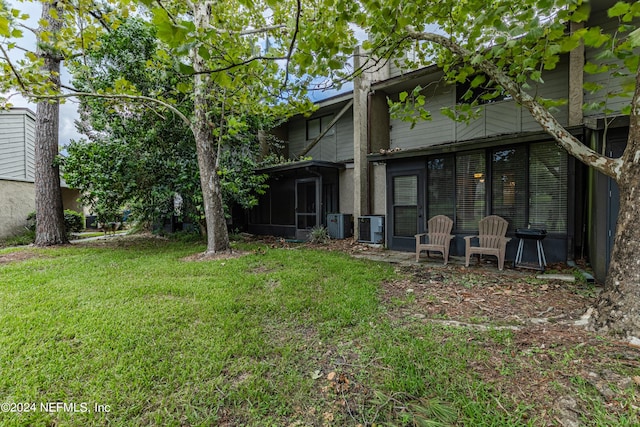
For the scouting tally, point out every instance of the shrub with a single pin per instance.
(319, 234)
(73, 221)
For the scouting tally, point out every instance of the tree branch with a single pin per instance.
(292, 45)
(608, 166)
(76, 94)
(253, 30)
(13, 69)
(240, 64)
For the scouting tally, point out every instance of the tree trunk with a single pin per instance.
(202, 126)
(49, 211)
(618, 306)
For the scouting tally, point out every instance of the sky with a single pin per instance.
(68, 110)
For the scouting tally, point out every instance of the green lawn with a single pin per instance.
(275, 337)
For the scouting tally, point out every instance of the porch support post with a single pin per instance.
(361, 88)
(576, 79)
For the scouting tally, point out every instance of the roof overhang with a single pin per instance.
(473, 144)
(301, 165)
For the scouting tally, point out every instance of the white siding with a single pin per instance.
(17, 129)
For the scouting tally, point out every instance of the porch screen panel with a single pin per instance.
(405, 205)
(470, 190)
(509, 185)
(548, 186)
(283, 205)
(441, 187)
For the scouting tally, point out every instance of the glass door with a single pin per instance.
(407, 206)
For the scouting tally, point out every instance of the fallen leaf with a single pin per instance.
(636, 379)
(316, 374)
(331, 376)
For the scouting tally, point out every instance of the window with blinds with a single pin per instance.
(405, 205)
(509, 185)
(470, 190)
(441, 186)
(548, 186)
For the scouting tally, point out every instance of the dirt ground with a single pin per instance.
(551, 350)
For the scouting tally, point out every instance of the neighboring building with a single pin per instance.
(502, 163)
(17, 171)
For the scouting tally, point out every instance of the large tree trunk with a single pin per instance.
(49, 212)
(217, 234)
(618, 307)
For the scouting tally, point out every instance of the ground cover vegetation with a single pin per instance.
(281, 334)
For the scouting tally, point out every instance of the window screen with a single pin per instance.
(405, 205)
(548, 186)
(470, 190)
(509, 185)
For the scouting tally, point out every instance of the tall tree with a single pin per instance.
(257, 56)
(142, 157)
(50, 228)
(509, 47)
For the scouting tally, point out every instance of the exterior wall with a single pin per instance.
(495, 119)
(335, 147)
(610, 83)
(18, 200)
(17, 142)
(70, 200)
(378, 189)
(345, 182)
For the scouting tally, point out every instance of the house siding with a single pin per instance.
(16, 151)
(610, 83)
(496, 118)
(334, 147)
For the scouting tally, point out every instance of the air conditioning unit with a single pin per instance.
(371, 229)
(339, 225)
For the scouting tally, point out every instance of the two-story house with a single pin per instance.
(365, 162)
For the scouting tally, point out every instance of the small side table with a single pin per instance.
(536, 234)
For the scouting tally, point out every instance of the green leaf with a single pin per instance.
(478, 80)
(4, 27)
(618, 9)
(592, 87)
(183, 87)
(403, 96)
(582, 13)
(185, 69)
(594, 37)
(591, 68)
(634, 38)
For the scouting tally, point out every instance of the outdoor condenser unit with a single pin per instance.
(371, 229)
(339, 225)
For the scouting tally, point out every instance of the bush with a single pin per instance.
(319, 234)
(73, 221)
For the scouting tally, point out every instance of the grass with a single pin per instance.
(275, 337)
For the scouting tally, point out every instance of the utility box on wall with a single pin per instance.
(339, 225)
(371, 229)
